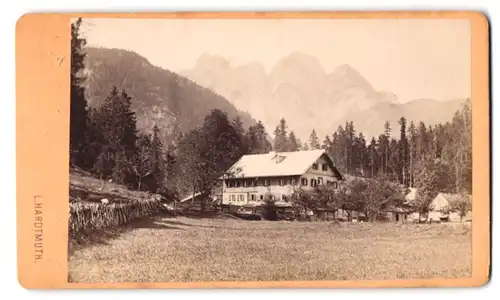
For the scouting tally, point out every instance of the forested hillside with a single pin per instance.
(158, 97)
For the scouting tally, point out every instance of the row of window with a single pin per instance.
(237, 198)
(261, 182)
(319, 181)
(282, 182)
(324, 167)
(253, 197)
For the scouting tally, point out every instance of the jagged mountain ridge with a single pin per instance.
(173, 102)
(296, 88)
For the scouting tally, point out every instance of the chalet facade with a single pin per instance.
(254, 177)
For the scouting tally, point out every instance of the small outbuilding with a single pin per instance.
(442, 208)
(200, 200)
(399, 214)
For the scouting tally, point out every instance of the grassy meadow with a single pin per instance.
(183, 249)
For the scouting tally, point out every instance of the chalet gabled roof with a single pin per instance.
(452, 198)
(189, 197)
(278, 164)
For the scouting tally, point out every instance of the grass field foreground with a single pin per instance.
(192, 250)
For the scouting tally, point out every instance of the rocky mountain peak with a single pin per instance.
(209, 61)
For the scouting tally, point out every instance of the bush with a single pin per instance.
(269, 210)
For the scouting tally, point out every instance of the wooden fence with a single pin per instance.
(85, 217)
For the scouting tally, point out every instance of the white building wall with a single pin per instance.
(311, 173)
(243, 195)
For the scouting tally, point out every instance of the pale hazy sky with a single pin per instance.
(411, 58)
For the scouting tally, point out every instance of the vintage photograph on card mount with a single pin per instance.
(213, 150)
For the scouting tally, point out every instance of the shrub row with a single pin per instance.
(87, 217)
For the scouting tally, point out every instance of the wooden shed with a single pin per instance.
(441, 208)
(400, 214)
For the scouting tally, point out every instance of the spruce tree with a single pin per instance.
(117, 125)
(280, 137)
(334, 149)
(243, 142)
(422, 141)
(386, 145)
(78, 103)
(349, 146)
(373, 161)
(129, 123)
(403, 153)
(189, 162)
(159, 163)
(293, 143)
(172, 172)
(219, 147)
(359, 154)
(313, 141)
(341, 149)
(412, 142)
(256, 139)
(108, 144)
(143, 164)
(327, 144)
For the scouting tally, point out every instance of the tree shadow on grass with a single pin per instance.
(177, 223)
(198, 215)
(171, 222)
(85, 239)
(103, 237)
(154, 223)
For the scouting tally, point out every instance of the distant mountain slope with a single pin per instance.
(174, 103)
(300, 90)
(371, 121)
(297, 88)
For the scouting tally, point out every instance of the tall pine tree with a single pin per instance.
(313, 141)
(293, 143)
(412, 133)
(117, 125)
(78, 103)
(403, 153)
(349, 146)
(359, 155)
(238, 126)
(256, 139)
(327, 144)
(373, 160)
(143, 164)
(280, 137)
(219, 146)
(159, 162)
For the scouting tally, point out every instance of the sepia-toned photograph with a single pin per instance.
(221, 150)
